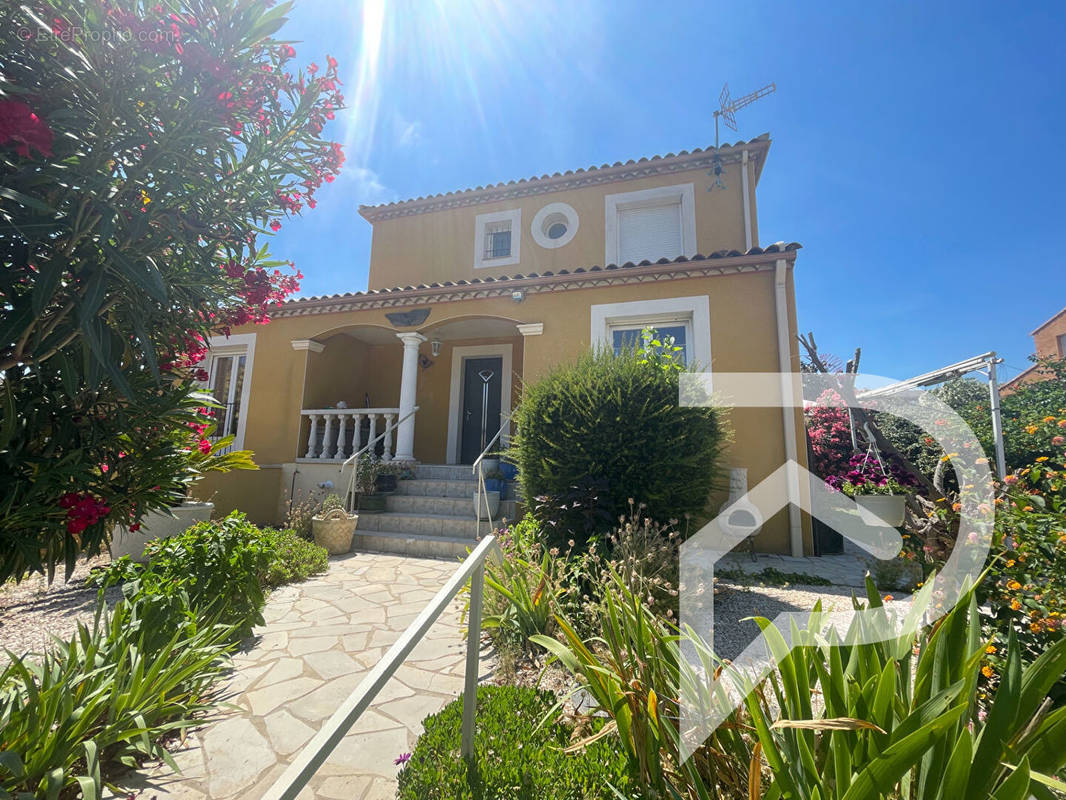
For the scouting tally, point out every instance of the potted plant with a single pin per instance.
(333, 527)
(388, 475)
(202, 455)
(494, 481)
(486, 505)
(367, 469)
(880, 494)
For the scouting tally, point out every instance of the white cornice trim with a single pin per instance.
(531, 328)
(308, 344)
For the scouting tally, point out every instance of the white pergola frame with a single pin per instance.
(984, 363)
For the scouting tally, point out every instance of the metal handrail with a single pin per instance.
(315, 752)
(476, 468)
(354, 457)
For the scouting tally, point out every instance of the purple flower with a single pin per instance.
(403, 759)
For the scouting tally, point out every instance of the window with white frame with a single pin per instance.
(1062, 345)
(650, 224)
(229, 372)
(685, 320)
(497, 238)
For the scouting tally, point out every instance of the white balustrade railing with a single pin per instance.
(334, 434)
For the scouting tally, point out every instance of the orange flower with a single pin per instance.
(1013, 585)
(1031, 429)
(1034, 627)
(1049, 419)
(1042, 458)
(990, 649)
(987, 671)
(956, 506)
(1015, 605)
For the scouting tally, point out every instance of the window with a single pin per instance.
(497, 238)
(650, 224)
(1062, 345)
(229, 371)
(627, 336)
(554, 225)
(686, 319)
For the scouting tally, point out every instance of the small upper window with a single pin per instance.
(496, 238)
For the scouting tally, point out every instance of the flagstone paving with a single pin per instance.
(320, 640)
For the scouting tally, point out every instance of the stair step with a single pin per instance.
(462, 506)
(425, 524)
(436, 488)
(412, 544)
(444, 472)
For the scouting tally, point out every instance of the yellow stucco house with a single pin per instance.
(474, 292)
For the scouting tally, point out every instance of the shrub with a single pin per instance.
(108, 695)
(221, 566)
(593, 434)
(516, 756)
(293, 558)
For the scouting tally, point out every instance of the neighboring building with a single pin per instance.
(474, 292)
(1049, 339)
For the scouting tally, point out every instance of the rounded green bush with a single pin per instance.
(514, 759)
(593, 434)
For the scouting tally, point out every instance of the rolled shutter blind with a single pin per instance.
(649, 233)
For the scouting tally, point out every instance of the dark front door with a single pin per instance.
(480, 416)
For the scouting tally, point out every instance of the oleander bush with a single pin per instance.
(608, 428)
(520, 754)
(106, 698)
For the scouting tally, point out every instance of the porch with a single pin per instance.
(438, 395)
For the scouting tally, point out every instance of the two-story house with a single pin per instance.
(474, 293)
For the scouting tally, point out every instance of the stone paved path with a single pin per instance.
(320, 640)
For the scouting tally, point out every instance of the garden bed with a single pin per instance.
(33, 611)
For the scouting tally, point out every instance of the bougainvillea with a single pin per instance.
(146, 153)
(829, 435)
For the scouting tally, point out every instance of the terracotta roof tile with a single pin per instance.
(779, 247)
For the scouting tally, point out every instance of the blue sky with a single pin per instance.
(916, 156)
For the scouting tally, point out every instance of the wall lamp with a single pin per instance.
(518, 295)
(434, 347)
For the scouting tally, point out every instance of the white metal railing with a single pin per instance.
(315, 752)
(476, 468)
(353, 460)
(335, 444)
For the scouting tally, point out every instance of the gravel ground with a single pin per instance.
(32, 612)
(734, 602)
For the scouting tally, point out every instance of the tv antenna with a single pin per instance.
(727, 109)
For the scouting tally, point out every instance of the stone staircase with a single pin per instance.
(429, 515)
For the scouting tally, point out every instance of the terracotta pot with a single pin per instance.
(158, 525)
(882, 509)
(334, 530)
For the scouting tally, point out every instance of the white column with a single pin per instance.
(405, 435)
(373, 433)
(390, 425)
(326, 435)
(357, 436)
(311, 439)
(342, 422)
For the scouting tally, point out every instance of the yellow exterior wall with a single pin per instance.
(743, 338)
(438, 246)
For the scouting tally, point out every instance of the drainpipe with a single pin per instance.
(788, 413)
(747, 201)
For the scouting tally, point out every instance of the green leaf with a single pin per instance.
(24, 200)
(1016, 787)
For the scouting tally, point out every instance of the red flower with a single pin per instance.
(136, 526)
(204, 446)
(275, 225)
(20, 125)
